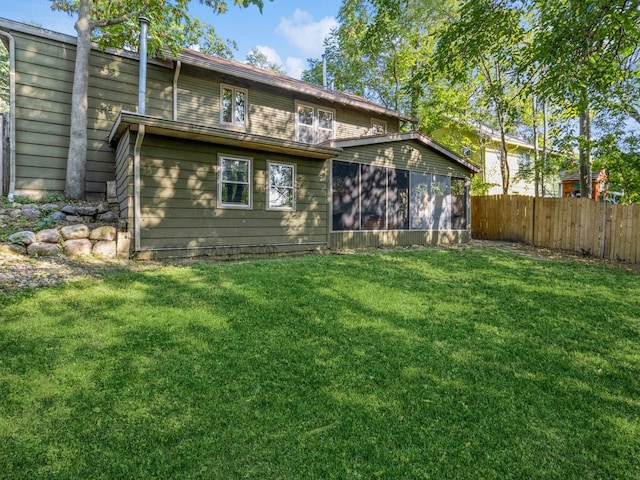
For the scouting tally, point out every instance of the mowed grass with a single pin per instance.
(430, 364)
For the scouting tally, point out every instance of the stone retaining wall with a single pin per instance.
(70, 240)
(68, 229)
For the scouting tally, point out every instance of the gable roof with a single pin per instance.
(243, 70)
(404, 137)
(231, 67)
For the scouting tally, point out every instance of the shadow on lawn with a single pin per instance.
(408, 365)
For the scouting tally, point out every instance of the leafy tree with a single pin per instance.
(114, 24)
(487, 44)
(258, 59)
(589, 50)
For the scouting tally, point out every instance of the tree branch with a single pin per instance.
(115, 21)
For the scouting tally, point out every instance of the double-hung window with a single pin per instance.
(314, 124)
(233, 106)
(378, 127)
(281, 178)
(234, 182)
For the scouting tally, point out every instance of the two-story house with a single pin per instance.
(227, 159)
(483, 146)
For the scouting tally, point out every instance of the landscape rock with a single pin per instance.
(15, 213)
(73, 232)
(30, 206)
(103, 207)
(22, 238)
(109, 217)
(103, 233)
(12, 249)
(87, 211)
(4, 218)
(73, 218)
(50, 235)
(58, 217)
(78, 247)
(31, 213)
(49, 207)
(44, 249)
(105, 248)
(69, 209)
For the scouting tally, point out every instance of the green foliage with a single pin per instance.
(343, 366)
(172, 28)
(258, 59)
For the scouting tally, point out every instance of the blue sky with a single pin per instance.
(287, 31)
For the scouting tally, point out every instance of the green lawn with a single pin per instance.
(438, 363)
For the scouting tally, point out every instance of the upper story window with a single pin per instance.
(233, 106)
(234, 182)
(378, 127)
(282, 183)
(524, 161)
(314, 124)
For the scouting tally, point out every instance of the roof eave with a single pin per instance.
(200, 133)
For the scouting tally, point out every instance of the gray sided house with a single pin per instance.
(228, 159)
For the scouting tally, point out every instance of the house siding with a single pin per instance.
(44, 81)
(179, 213)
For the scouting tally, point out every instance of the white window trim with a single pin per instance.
(221, 204)
(233, 122)
(316, 123)
(381, 122)
(292, 208)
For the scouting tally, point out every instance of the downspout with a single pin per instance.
(137, 149)
(12, 115)
(175, 90)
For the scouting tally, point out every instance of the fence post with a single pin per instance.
(603, 219)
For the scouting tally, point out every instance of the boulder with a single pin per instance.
(49, 207)
(31, 213)
(103, 207)
(73, 218)
(50, 235)
(78, 247)
(4, 218)
(69, 210)
(105, 248)
(12, 249)
(44, 249)
(30, 206)
(58, 217)
(74, 232)
(15, 213)
(22, 238)
(109, 217)
(103, 233)
(87, 211)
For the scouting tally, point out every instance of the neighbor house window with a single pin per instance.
(378, 127)
(524, 162)
(233, 106)
(314, 124)
(281, 193)
(234, 182)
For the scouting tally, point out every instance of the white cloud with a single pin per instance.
(295, 66)
(306, 34)
(270, 53)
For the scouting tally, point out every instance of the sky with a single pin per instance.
(288, 32)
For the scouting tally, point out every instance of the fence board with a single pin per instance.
(580, 225)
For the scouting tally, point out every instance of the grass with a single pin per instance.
(425, 364)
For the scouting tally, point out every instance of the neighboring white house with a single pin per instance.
(482, 145)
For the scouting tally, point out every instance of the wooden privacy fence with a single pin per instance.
(576, 224)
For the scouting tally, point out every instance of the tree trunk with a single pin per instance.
(536, 154)
(585, 153)
(77, 157)
(504, 159)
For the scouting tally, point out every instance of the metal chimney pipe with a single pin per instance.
(142, 86)
(324, 70)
